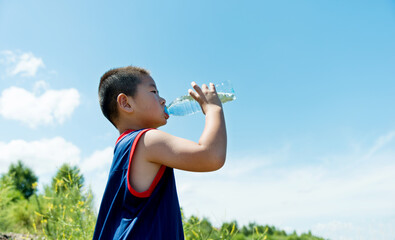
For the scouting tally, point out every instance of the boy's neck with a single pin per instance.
(125, 127)
(122, 130)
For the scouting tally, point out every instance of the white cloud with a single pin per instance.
(53, 106)
(380, 143)
(40, 87)
(362, 229)
(43, 156)
(95, 169)
(25, 64)
(99, 160)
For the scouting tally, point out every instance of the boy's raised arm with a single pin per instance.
(208, 154)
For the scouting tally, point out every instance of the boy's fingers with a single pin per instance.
(212, 86)
(197, 88)
(193, 94)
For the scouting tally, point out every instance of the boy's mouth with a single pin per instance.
(166, 113)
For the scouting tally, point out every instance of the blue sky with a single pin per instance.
(311, 134)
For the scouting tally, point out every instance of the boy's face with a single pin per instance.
(148, 105)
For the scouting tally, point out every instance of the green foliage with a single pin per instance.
(67, 177)
(9, 195)
(63, 211)
(21, 216)
(22, 178)
(197, 229)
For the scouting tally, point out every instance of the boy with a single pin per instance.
(140, 200)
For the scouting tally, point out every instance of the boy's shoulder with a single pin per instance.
(155, 136)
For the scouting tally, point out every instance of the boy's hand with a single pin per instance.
(206, 97)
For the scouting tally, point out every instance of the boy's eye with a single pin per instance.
(154, 91)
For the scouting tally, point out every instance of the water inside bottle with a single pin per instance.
(226, 97)
(186, 105)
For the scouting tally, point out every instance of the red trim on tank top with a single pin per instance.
(123, 135)
(158, 176)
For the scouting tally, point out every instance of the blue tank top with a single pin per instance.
(127, 214)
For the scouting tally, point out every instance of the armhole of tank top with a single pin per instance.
(158, 176)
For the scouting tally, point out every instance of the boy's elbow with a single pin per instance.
(218, 162)
(214, 159)
(219, 165)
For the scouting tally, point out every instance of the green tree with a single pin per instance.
(67, 177)
(67, 210)
(23, 178)
(63, 211)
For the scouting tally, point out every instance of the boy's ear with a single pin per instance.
(124, 103)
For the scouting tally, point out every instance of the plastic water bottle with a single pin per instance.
(186, 105)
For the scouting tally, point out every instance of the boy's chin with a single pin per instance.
(161, 124)
(164, 123)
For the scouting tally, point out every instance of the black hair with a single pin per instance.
(115, 81)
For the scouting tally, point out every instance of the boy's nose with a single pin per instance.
(163, 101)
